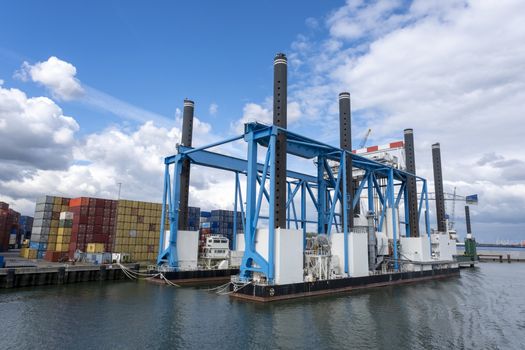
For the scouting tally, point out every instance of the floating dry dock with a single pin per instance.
(354, 221)
(267, 293)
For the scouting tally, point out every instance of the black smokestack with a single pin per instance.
(280, 85)
(411, 183)
(345, 140)
(467, 218)
(438, 187)
(187, 131)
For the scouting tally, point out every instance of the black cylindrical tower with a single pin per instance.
(438, 188)
(467, 218)
(187, 131)
(280, 82)
(345, 141)
(411, 183)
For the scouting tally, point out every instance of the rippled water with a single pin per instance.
(483, 309)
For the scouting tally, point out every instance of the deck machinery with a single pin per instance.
(364, 246)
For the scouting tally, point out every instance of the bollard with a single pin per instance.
(10, 278)
(103, 273)
(61, 275)
(501, 258)
(508, 258)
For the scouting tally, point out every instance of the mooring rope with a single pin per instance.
(224, 289)
(133, 275)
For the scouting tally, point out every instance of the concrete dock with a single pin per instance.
(21, 272)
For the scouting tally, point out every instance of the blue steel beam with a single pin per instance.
(229, 163)
(393, 209)
(336, 196)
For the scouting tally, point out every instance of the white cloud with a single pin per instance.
(452, 70)
(133, 157)
(105, 102)
(214, 108)
(57, 75)
(263, 113)
(34, 133)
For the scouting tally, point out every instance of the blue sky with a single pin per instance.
(90, 92)
(155, 56)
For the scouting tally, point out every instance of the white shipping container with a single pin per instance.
(357, 253)
(240, 242)
(415, 249)
(187, 249)
(288, 253)
(66, 215)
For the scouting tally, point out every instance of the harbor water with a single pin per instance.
(484, 309)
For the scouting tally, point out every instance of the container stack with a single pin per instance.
(45, 225)
(94, 221)
(194, 218)
(138, 229)
(64, 231)
(58, 250)
(25, 226)
(4, 229)
(221, 223)
(205, 217)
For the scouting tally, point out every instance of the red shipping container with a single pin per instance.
(100, 239)
(99, 211)
(92, 211)
(98, 220)
(84, 201)
(54, 256)
(75, 202)
(82, 228)
(99, 203)
(97, 229)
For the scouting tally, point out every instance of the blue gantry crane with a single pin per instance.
(333, 196)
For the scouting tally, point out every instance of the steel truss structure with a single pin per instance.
(324, 190)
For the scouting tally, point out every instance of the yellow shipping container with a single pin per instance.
(24, 252)
(63, 239)
(65, 231)
(95, 248)
(31, 253)
(62, 247)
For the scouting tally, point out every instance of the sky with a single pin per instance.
(91, 92)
